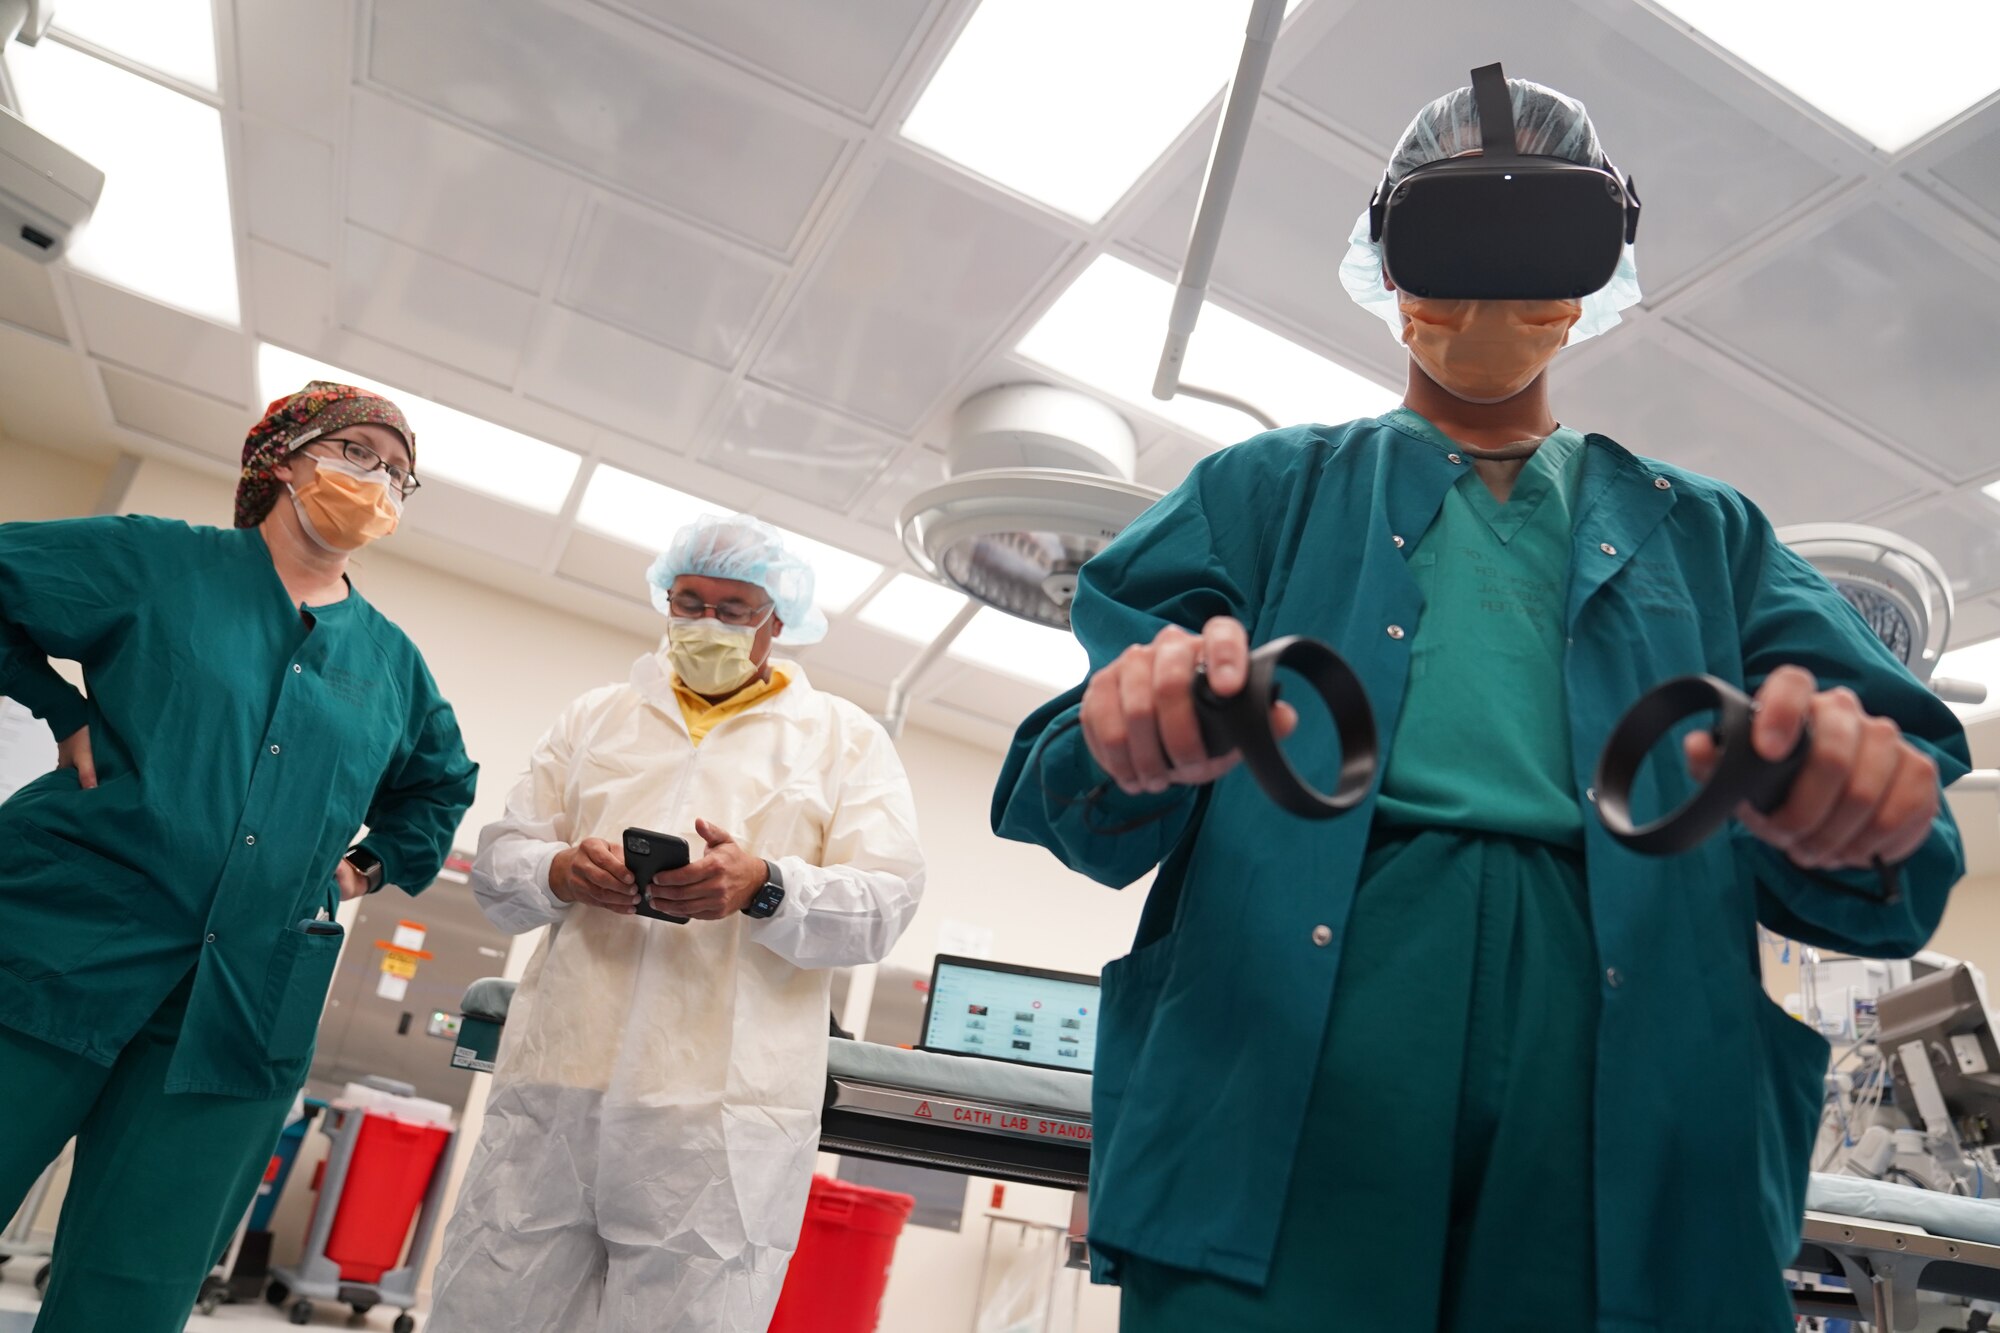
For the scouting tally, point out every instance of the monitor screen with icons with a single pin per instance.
(999, 1011)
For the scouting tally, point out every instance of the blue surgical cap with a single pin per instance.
(748, 551)
(1546, 124)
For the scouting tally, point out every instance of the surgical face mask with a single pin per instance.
(1485, 351)
(343, 508)
(712, 658)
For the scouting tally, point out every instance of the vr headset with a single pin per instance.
(1503, 225)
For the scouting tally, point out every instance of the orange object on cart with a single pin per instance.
(838, 1276)
(386, 1181)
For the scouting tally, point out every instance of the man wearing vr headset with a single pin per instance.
(1457, 1059)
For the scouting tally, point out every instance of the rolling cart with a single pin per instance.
(387, 1162)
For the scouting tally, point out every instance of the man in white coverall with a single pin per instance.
(654, 1116)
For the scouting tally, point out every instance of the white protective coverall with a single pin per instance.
(654, 1117)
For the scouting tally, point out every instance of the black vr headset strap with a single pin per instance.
(1496, 113)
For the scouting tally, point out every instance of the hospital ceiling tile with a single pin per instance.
(28, 296)
(1975, 620)
(667, 282)
(1662, 405)
(863, 652)
(432, 307)
(288, 188)
(843, 53)
(1882, 323)
(481, 523)
(209, 358)
(1974, 171)
(904, 480)
(609, 566)
(1963, 532)
(45, 396)
(992, 695)
(1284, 240)
(294, 62)
(799, 450)
(1165, 463)
(449, 192)
(169, 412)
(922, 277)
(639, 388)
(1709, 176)
(633, 110)
(286, 299)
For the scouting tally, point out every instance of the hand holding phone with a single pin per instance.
(648, 854)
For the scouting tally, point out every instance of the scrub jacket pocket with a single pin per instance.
(50, 933)
(301, 971)
(1129, 996)
(1795, 1060)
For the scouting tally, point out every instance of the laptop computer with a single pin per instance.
(1002, 1011)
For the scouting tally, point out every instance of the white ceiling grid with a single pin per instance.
(683, 238)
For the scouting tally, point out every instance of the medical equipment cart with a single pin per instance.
(397, 1148)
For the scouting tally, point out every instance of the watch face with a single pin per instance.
(766, 900)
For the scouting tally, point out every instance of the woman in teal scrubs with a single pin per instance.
(1458, 1060)
(167, 894)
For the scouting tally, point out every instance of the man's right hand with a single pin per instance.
(1138, 713)
(594, 873)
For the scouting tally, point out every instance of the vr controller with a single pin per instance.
(1242, 722)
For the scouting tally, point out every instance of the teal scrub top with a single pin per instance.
(238, 752)
(1483, 742)
(1707, 1095)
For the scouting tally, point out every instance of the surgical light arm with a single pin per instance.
(1225, 160)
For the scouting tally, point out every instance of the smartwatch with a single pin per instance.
(367, 865)
(764, 903)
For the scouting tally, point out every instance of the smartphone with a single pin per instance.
(648, 854)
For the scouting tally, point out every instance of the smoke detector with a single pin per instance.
(1898, 587)
(1041, 481)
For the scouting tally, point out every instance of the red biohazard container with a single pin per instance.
(837, 1278)
(386, 1181)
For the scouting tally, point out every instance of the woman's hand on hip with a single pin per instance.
(74, 752)
(352, 885)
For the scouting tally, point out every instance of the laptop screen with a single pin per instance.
(1003, 1012)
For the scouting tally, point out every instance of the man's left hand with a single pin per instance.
(1863, 793)
(719, 885)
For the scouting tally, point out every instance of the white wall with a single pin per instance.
(509, 665)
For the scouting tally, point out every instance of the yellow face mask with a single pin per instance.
(1485, 351)
(344, 508)
(711, 658)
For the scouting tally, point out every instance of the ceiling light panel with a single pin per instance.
(1105, 332)
(163, 227)
(1890, 75)
(1069, 103)
(452, 445)
(1026, 651)
(175, 37)
(912, 608)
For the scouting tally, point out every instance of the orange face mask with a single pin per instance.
(344, 508)
(1485, 351)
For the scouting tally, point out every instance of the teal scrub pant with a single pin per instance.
(1443, 1179)
(159, 1182)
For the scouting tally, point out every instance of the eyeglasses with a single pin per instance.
(689, 606)
(368, 460)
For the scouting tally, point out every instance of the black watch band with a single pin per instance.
(766, 901)
(367, 865)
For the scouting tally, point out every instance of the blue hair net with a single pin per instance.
(748, 551)
(1546, 124)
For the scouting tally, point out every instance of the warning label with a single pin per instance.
(923, 1111)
